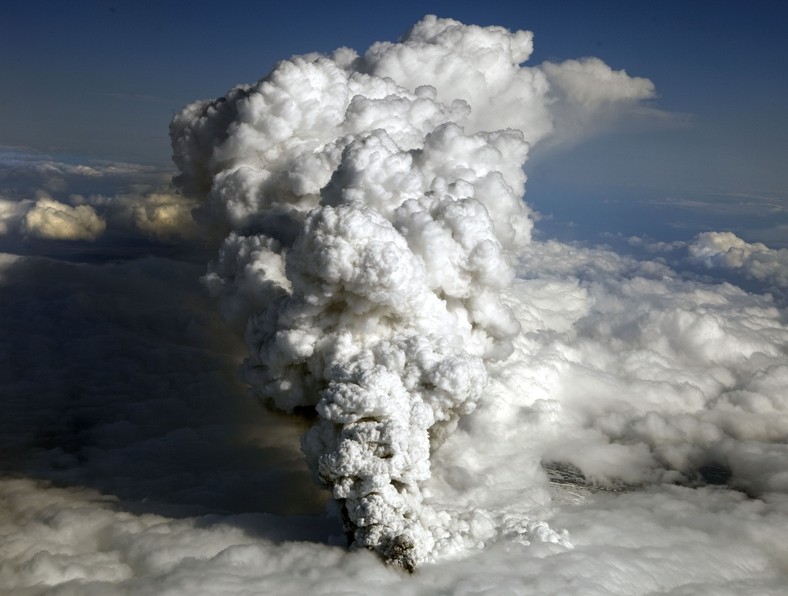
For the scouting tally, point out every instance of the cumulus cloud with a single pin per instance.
(161, 215)
(157, 216)
(164, 216)
(56, 221)
(46, 199)
(656, 246)
(725, 256)
(728, 251)
(654, 377)
(76, 541)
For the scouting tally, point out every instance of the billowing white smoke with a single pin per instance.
(370, 205)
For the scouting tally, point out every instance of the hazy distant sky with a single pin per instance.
(104, 77)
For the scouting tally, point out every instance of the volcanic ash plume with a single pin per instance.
(369, 206)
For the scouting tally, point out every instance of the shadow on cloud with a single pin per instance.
(120, 377)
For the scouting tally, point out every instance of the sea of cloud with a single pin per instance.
(626, 431)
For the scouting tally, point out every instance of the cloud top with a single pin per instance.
(728, 251)
(371, 206)
(56, 221)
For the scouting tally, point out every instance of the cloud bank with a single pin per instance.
(756, 260)
(101, 203)
(56, 221)
(727, 257)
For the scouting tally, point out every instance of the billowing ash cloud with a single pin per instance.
(369, 206)
(367, 232)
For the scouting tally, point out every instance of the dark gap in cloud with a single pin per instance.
(715, 473)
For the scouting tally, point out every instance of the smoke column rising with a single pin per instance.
(370, 207)
(642, 411)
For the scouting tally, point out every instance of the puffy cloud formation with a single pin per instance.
(687, 542)
(756, 260)
(373, 203)
(119, 384)
(147, 215)
(56, 221)
(159, 216)
(592, 83)
(653, 378)
(132, 460)
(163, 215)
(94, 201)
(24, 172)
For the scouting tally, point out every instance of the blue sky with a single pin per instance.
(103, 78)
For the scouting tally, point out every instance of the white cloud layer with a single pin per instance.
(663, 377)
(45, 199)
(159, 216)
(156, 215)
(756, 260)
(119, 377)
